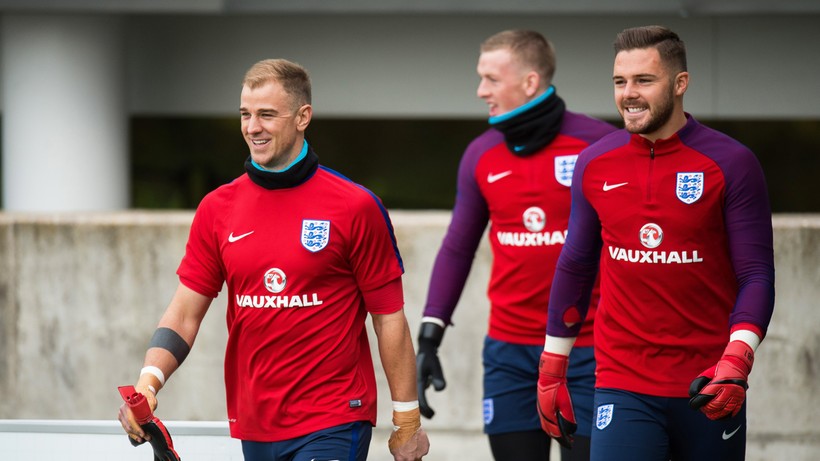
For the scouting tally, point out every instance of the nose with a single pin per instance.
(482, 91)
(630, 90)
(253, 125)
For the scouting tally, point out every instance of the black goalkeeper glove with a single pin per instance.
(428, 366)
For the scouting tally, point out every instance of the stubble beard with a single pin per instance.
(658, 117)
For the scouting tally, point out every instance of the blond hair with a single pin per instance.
(293, 78)
(529, 48)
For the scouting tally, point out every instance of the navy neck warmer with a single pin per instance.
(300, 172)
(528, 128)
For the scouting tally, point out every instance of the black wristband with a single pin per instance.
(171, 341)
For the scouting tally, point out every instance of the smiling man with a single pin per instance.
(516, 177)
(682, 215)
(307, 255)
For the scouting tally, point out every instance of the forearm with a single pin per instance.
(397, 355)
(455, 257)
(447, 280)
(181, 320)
(570, 296)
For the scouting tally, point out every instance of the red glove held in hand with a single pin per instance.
(160, 440)
(719, 391)
(554, 404)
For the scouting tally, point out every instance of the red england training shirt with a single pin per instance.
(296, 261)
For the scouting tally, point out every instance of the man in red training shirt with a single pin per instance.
(306, 255)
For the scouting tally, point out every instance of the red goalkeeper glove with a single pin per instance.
(160, 439)
(719, 391)
(554, 405)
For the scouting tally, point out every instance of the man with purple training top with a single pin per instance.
(516, 176)
(677, 215)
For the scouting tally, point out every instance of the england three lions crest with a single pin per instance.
(604, 416)
(315, 234)
(689, 187)
(564, 167)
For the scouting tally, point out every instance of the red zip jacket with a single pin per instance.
(682, 228)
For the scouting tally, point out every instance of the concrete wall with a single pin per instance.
(80, 296)
(423, 65)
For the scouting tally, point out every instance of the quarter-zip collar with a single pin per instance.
(663, 146)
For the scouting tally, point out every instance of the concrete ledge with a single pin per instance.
(108, 427)
(70, 440)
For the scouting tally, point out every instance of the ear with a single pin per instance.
(532, 82)
(303, 117)
(681, 83)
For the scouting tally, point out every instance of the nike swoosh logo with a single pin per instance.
(730, 434)
(609, 187)
(491, 178)
(232, 238)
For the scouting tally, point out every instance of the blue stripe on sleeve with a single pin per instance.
(382, 209)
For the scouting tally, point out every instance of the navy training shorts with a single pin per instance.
(348, 442)
(510, 387)
(638, 427)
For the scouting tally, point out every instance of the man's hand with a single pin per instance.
(554, 404)
(408, 442)
(128, 420)
(428, 366)
(151, 429)
(720, 390)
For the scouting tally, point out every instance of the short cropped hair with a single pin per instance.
(670, 47)
(293, 78)
(530, 48)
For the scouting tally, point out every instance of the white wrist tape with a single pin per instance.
(558, 345)
(152, 389)
(405, 406)
(747, 337)
(435, 320)
(152, 370)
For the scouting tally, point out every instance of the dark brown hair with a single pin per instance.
(671, 48)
